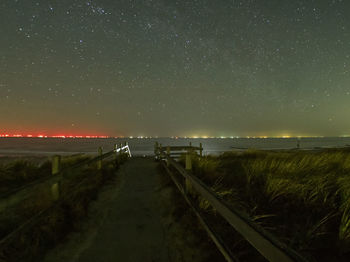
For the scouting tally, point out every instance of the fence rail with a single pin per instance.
(176, 151)
(16, 195)
(265, 244)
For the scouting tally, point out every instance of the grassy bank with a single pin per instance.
(21, 171)
(77, 190)
(302, 197)
(188, 240)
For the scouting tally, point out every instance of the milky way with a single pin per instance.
(175, 68)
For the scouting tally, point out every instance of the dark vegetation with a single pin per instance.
(78, 188)
(20, 172)
(301, 197)
(185, 235)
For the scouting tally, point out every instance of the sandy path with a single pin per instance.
(125, 224)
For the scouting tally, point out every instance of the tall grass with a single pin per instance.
(77, 190)
(303, 197)
(19, 172)
(22, 171)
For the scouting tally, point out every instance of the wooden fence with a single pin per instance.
(176, 151)
(264, 243)
(15, 196)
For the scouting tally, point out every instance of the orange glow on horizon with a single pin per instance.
(53, 136)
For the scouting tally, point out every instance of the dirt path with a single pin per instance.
(126, 222)
(139, 217)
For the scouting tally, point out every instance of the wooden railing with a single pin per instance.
(267, 245)
(15, 196)
(176, 151)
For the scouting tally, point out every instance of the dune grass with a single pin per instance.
(80, 187)
(184, 234)
(22, 171)
(302, 197)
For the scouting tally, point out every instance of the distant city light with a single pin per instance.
(7, 135)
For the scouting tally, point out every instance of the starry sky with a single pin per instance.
(175, 68)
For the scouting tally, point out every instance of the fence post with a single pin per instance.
(200, 150)
(188, 161)
(298, 142)
(56, 163)
(128, 148)
(99, 162)
(168, 155)
(121, 146)
(190, 150)
(188, 167)
(156, 150)
(160, 150)
(55, 188)
(116, 154)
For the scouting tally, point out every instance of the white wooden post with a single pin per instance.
(55, 188)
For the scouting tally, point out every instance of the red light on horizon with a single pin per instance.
(52, 136)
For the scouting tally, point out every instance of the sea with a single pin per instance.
(145, 146)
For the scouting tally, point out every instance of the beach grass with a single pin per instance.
(301, 197)
(77, 190)
(21, 171)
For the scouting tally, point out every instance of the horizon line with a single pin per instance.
(155, 137)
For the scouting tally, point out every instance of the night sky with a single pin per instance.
(175, 68)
